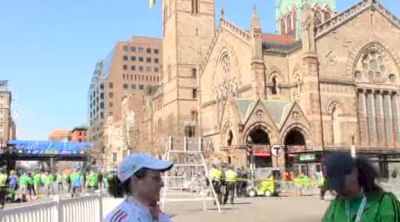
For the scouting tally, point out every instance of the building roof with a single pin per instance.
(57, 132)
(277, 108)
(279, 39)
(80, 128)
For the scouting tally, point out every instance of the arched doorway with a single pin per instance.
(261, 156)
(294, 140)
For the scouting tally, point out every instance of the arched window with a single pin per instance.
(274, 85)
(230, 138)
(294, 21)
(317, 18)
(289, 24)
(335, 118)
(283, 27)
(327, 15)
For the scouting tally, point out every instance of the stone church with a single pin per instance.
(327, 80)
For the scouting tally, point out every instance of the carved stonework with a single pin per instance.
(226, 63)
(331, 58)
(375, 65)
(295, 115)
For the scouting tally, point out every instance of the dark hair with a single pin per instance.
(367, 175)
(119, 189)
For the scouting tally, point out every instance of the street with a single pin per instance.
(299, 209)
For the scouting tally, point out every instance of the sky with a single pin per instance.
(49, 49)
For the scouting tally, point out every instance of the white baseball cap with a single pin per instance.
(131, 164)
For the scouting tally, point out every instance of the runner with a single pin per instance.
(139, 180)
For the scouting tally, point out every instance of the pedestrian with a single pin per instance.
(358, 197)
(30, 187)
(23, 186)
(298, 184)
(68, 179)
(216, 181)
(230, 183)
(100, 180)
(37, 182)
(93, 181)
(13, 181)
(48, 183)
(139, 180)
(76, 182)
(59, 182)
(3, 187)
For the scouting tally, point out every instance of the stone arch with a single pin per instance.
(299, 127)
(360, 50)
(257, 125)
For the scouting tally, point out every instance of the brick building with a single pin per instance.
(60, 135)
(133, 66)
(319, 84)
(79, 134)
(7, 124)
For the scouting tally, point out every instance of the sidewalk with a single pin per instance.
(287, 209)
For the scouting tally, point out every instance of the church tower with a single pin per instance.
(289, 14)
(188, 27)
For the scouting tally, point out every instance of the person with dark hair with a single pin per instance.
(358, 197)
(139, 180)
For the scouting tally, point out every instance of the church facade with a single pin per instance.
(325, 81)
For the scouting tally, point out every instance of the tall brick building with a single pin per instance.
(320, 84)
(7, 124)
(133, 66)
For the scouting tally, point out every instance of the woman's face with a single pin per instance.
(149, 187)
(352, 189)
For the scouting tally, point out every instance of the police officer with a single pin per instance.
(230, 179)
(3, 187)
(216, 176)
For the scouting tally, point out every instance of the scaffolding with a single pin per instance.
(189, 180)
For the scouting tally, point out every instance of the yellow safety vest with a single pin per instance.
(215, 174)
(3, 180)
(230, 176)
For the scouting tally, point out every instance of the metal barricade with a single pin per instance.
(87, 209)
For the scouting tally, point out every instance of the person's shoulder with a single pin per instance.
(119, 214)
(123, 213)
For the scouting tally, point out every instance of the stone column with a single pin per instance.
(395, 113)
(387, 110)
(380, 129)
(362, 116)
(371, 118)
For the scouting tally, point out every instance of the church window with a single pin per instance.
(230, 138)
(195, 6)
(335, 118)
(274, 85)
(317, 18)
(294, 21)
(289, 24)
(283, 27)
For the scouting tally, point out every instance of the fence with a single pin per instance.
(88, 209)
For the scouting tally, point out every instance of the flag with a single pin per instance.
(151, 3)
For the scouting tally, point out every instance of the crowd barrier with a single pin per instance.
(86, 209)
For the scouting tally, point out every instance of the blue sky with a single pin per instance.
(49, 49)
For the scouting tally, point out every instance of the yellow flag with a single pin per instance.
(151, 3)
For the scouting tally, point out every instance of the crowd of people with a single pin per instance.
(229, 183)
(24, 185)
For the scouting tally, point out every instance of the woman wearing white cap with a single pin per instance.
(139, 180)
